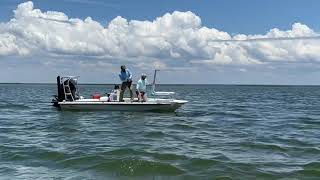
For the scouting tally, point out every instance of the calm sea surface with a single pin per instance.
(224, 132)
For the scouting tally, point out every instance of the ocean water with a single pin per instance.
(224, 132)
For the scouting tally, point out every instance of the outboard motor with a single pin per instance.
(66, 91)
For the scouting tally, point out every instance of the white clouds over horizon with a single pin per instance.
(177, 38)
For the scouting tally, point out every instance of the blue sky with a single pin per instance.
(250, 17)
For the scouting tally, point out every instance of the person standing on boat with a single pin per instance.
(141, 88)
(126, 78)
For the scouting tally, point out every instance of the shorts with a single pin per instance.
(124, 85)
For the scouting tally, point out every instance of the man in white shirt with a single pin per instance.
(141, 88)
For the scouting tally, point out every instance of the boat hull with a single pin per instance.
(121, 106)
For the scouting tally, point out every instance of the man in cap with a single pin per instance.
(126, 78)
(141, 88)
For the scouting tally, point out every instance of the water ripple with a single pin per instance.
(224, 132)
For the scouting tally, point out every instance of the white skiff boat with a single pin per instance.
(68, 98)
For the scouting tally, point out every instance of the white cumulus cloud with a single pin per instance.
(174, 37)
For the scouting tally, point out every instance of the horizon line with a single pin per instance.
(180, 84)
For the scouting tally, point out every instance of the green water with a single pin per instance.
(224, 132)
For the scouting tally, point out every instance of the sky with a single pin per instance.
(190, 41)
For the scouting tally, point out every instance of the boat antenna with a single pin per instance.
(154, 80)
